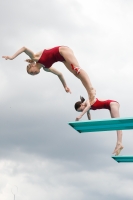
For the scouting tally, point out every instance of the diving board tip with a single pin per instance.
(123, 158)
(103, 125)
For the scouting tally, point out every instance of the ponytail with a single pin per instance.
(82, 99)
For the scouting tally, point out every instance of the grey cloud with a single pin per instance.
(34, 111)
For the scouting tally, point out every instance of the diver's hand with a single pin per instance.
(67, 90)
(7, 57)
(78, 118)
(29, 61)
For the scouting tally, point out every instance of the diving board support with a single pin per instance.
(123, 158)
(103, 125)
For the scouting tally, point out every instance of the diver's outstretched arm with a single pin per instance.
(23, 49)
(60, 76)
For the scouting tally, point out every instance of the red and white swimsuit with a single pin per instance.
(50, 56)
(101, 104)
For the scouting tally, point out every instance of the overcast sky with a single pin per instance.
(41, 156)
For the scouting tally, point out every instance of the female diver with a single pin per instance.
(46, 58)
(111, 105)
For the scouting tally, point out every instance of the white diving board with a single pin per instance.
(123, 158)
(103, 125)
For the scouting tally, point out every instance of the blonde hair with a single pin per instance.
(30, 65)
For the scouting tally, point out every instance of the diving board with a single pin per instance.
(103, 125)
(123, 158)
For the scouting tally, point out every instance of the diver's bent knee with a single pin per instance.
(75, 74)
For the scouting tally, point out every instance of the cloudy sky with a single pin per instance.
(41, 156)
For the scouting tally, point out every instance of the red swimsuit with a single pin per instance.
(50, 56)
(101, 104)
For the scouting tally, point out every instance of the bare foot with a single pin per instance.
(114, 150)
(118, 148)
